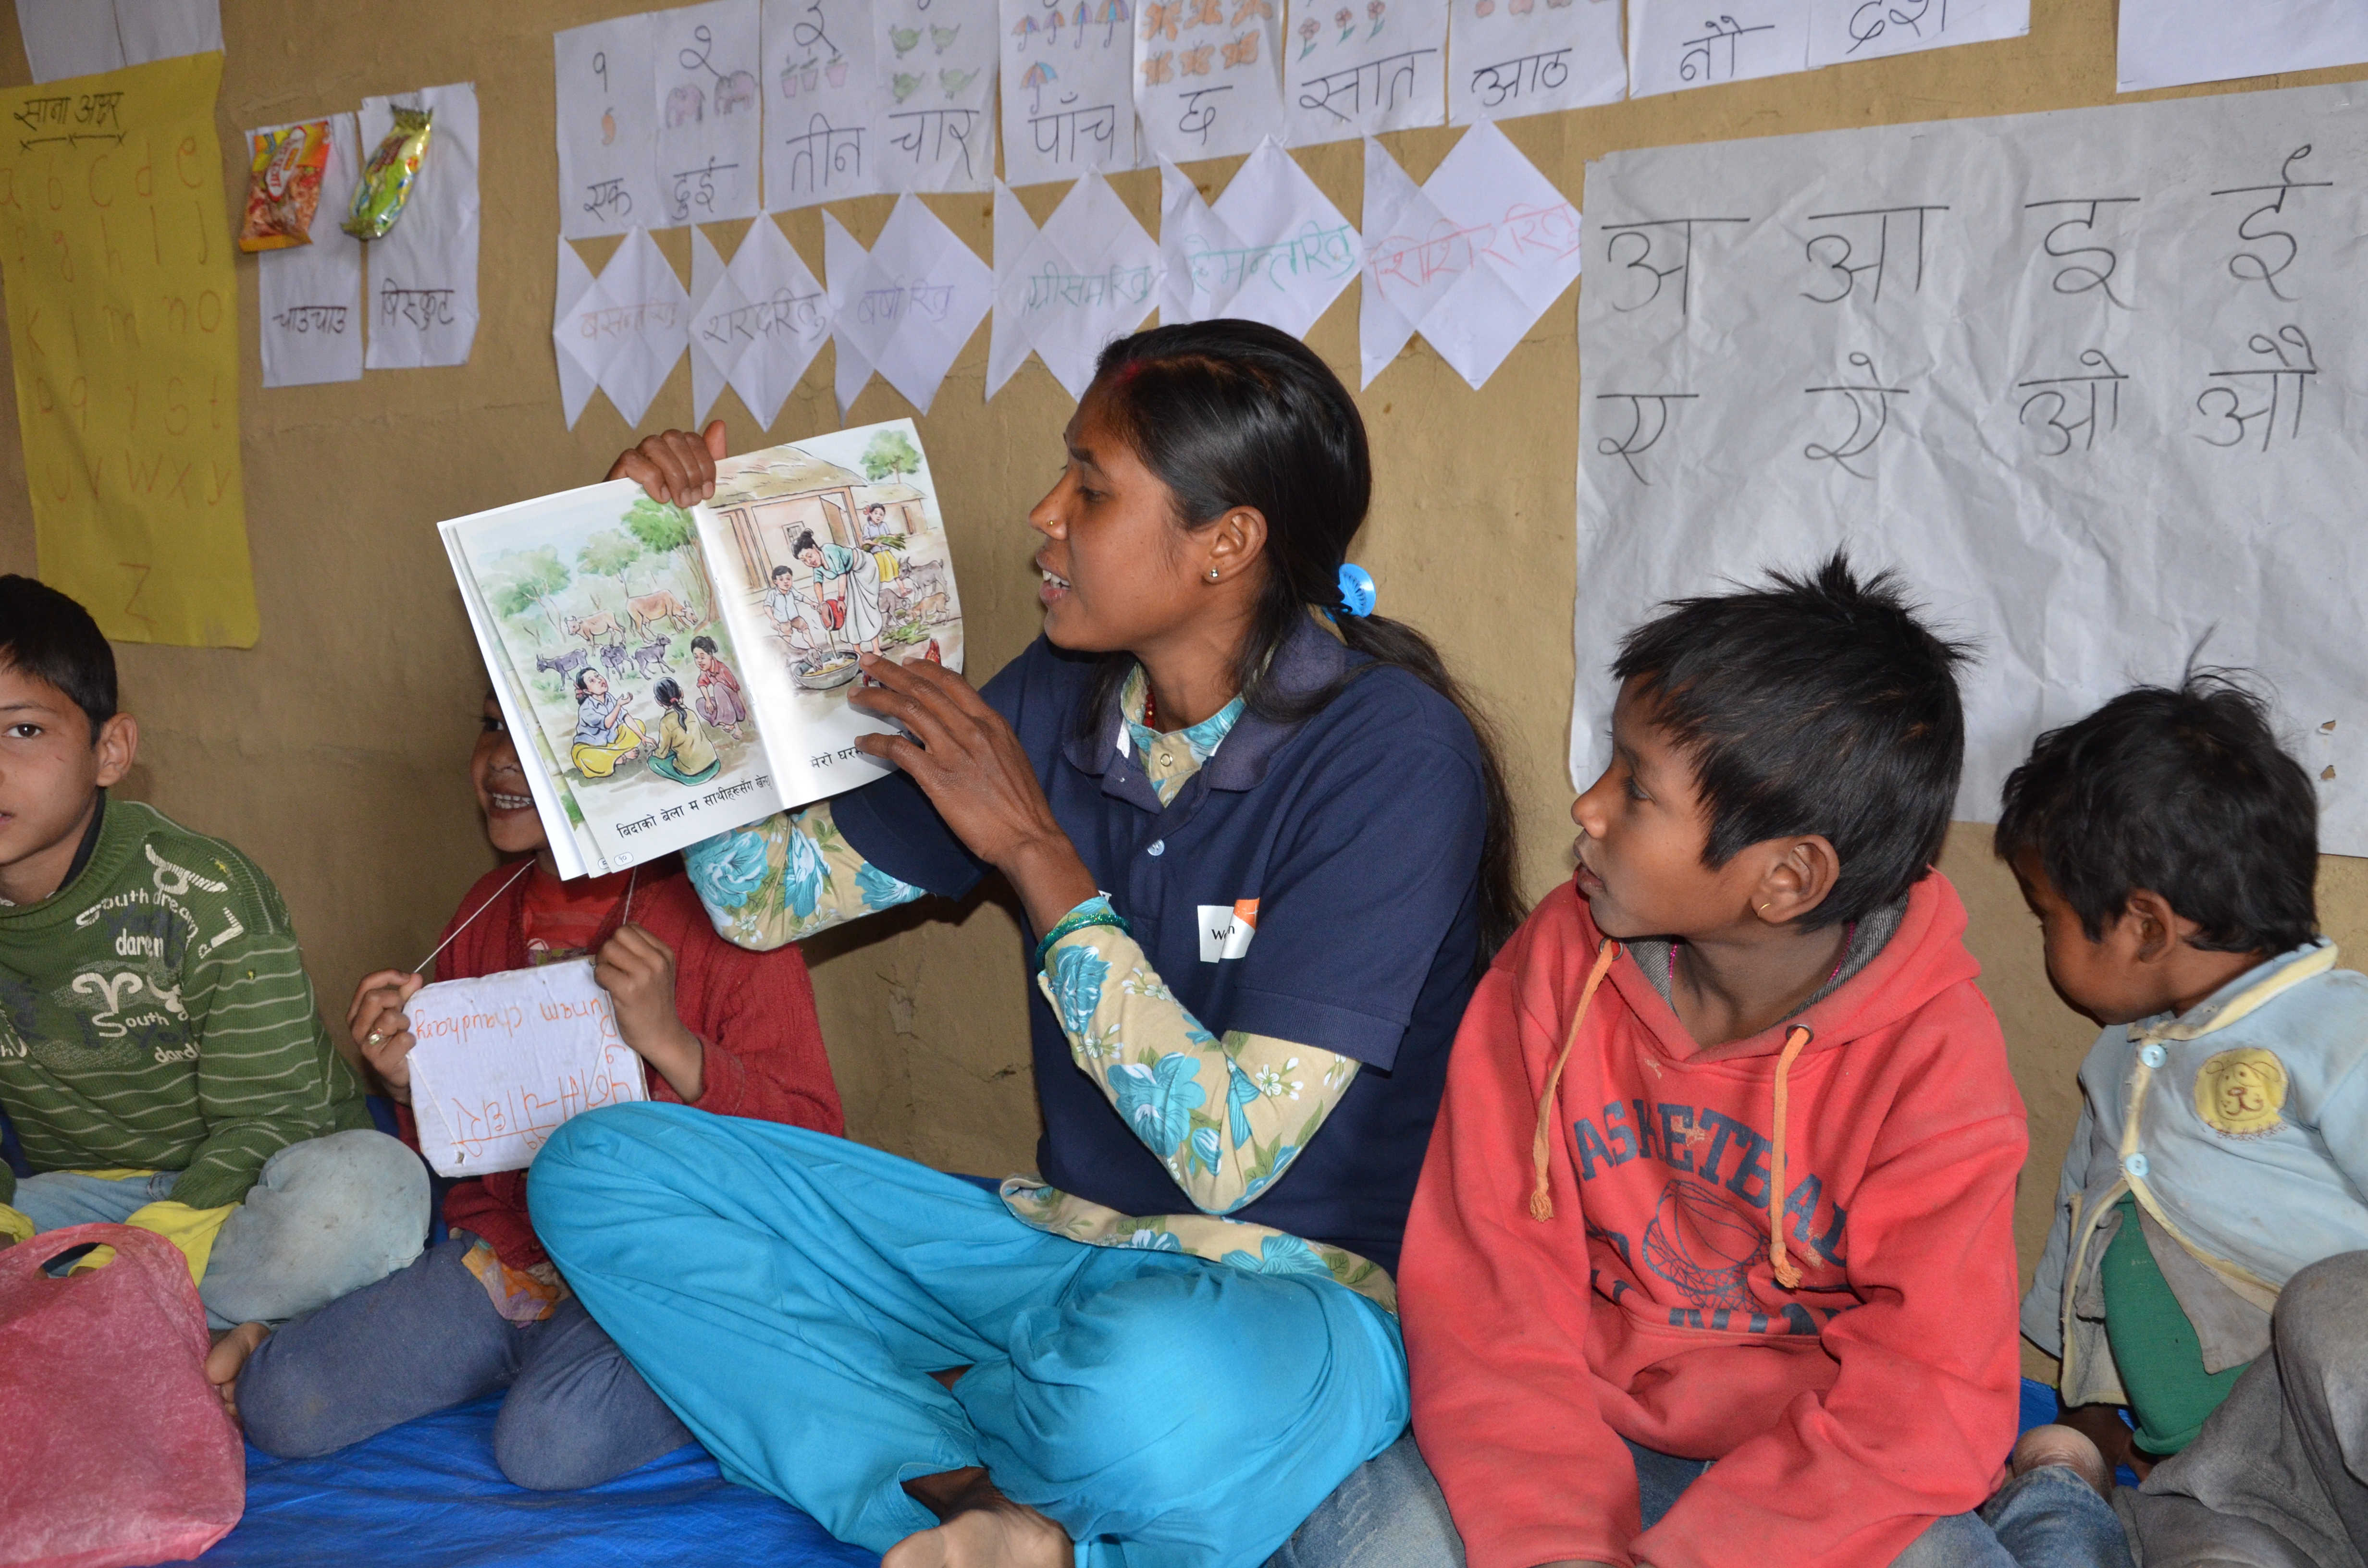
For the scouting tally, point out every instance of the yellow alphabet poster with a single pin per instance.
(123, 320)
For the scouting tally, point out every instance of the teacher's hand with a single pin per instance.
(674, 465)
(966, 759)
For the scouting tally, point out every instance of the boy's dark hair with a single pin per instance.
(805, 542)
(1816, 704)
(704, 644)
(48, 637)
(2184, 793)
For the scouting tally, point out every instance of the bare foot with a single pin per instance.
(228, 1359)
(983, 1529)
(2044, 1445)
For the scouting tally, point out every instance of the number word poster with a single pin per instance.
(2095, 381)
(503, 1060)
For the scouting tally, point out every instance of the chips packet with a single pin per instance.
(283, 185)
(387, 180)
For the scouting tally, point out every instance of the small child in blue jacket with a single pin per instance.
(2214, 1185)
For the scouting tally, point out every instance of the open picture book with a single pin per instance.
(668, 675)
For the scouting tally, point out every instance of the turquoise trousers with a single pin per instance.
(789, 1294)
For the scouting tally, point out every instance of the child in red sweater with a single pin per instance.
(724, 1030)
(1712, 1262)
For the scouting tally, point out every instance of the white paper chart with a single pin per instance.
(1672, 46)
(310, 296)
(710, 115)
(1515, 57)
(1067, 106)
(2094, 380)
(423, 273)
(606, 79)
(1207, 82)
(1359, 69)
(1844, 30)
(820, 140)
(937, 129)
(2167, 43)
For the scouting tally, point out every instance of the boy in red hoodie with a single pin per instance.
(1713, 1260)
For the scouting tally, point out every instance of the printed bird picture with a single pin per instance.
(953, 82)
(906, 40)
(942, 39)
(902, 87)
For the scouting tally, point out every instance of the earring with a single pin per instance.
(1764, 908)
(1213, 574)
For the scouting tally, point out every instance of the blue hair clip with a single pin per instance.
(1357, 593)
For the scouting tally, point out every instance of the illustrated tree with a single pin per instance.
(607, 553)
(530, 580)
(891, 455)
(666, 530)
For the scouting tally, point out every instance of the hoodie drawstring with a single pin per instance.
(1786, 1273)
(1541, 1200)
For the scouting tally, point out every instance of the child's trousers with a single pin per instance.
(428, 1338)
(327, 1216)
(789, 1294)
(2278, 1477)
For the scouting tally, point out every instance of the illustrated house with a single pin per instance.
(907, 512)
(771, 504)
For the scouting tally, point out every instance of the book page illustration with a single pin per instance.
(828, 549)
(603, 605)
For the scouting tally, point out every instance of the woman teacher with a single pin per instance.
(1263, 852)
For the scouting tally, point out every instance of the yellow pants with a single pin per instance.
(599, 762)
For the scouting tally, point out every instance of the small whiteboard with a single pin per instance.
(501, 1060)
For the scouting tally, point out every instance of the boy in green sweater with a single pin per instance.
(161, 1058)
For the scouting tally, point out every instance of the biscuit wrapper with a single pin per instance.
(393, 169)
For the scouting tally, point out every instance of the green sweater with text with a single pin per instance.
(155, 1015)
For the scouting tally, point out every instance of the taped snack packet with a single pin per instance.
(387, 180)
(283, 185)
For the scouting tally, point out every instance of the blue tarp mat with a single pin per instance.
(427, 1494)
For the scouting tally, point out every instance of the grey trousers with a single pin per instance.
(2279, 1476)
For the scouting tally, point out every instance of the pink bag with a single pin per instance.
(114, 1450)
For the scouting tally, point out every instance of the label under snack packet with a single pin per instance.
(283, 185)
(387, 180)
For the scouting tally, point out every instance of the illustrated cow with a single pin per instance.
(566, 665)
(736, 91)
(651, 657)
(686, 104)
(651, 608)
(592, 628)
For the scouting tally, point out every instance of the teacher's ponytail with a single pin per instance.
(1235, 414)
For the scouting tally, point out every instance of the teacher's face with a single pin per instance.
(1115, 563)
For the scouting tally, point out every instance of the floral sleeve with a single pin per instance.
(781, 879)
(1227, 1116)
